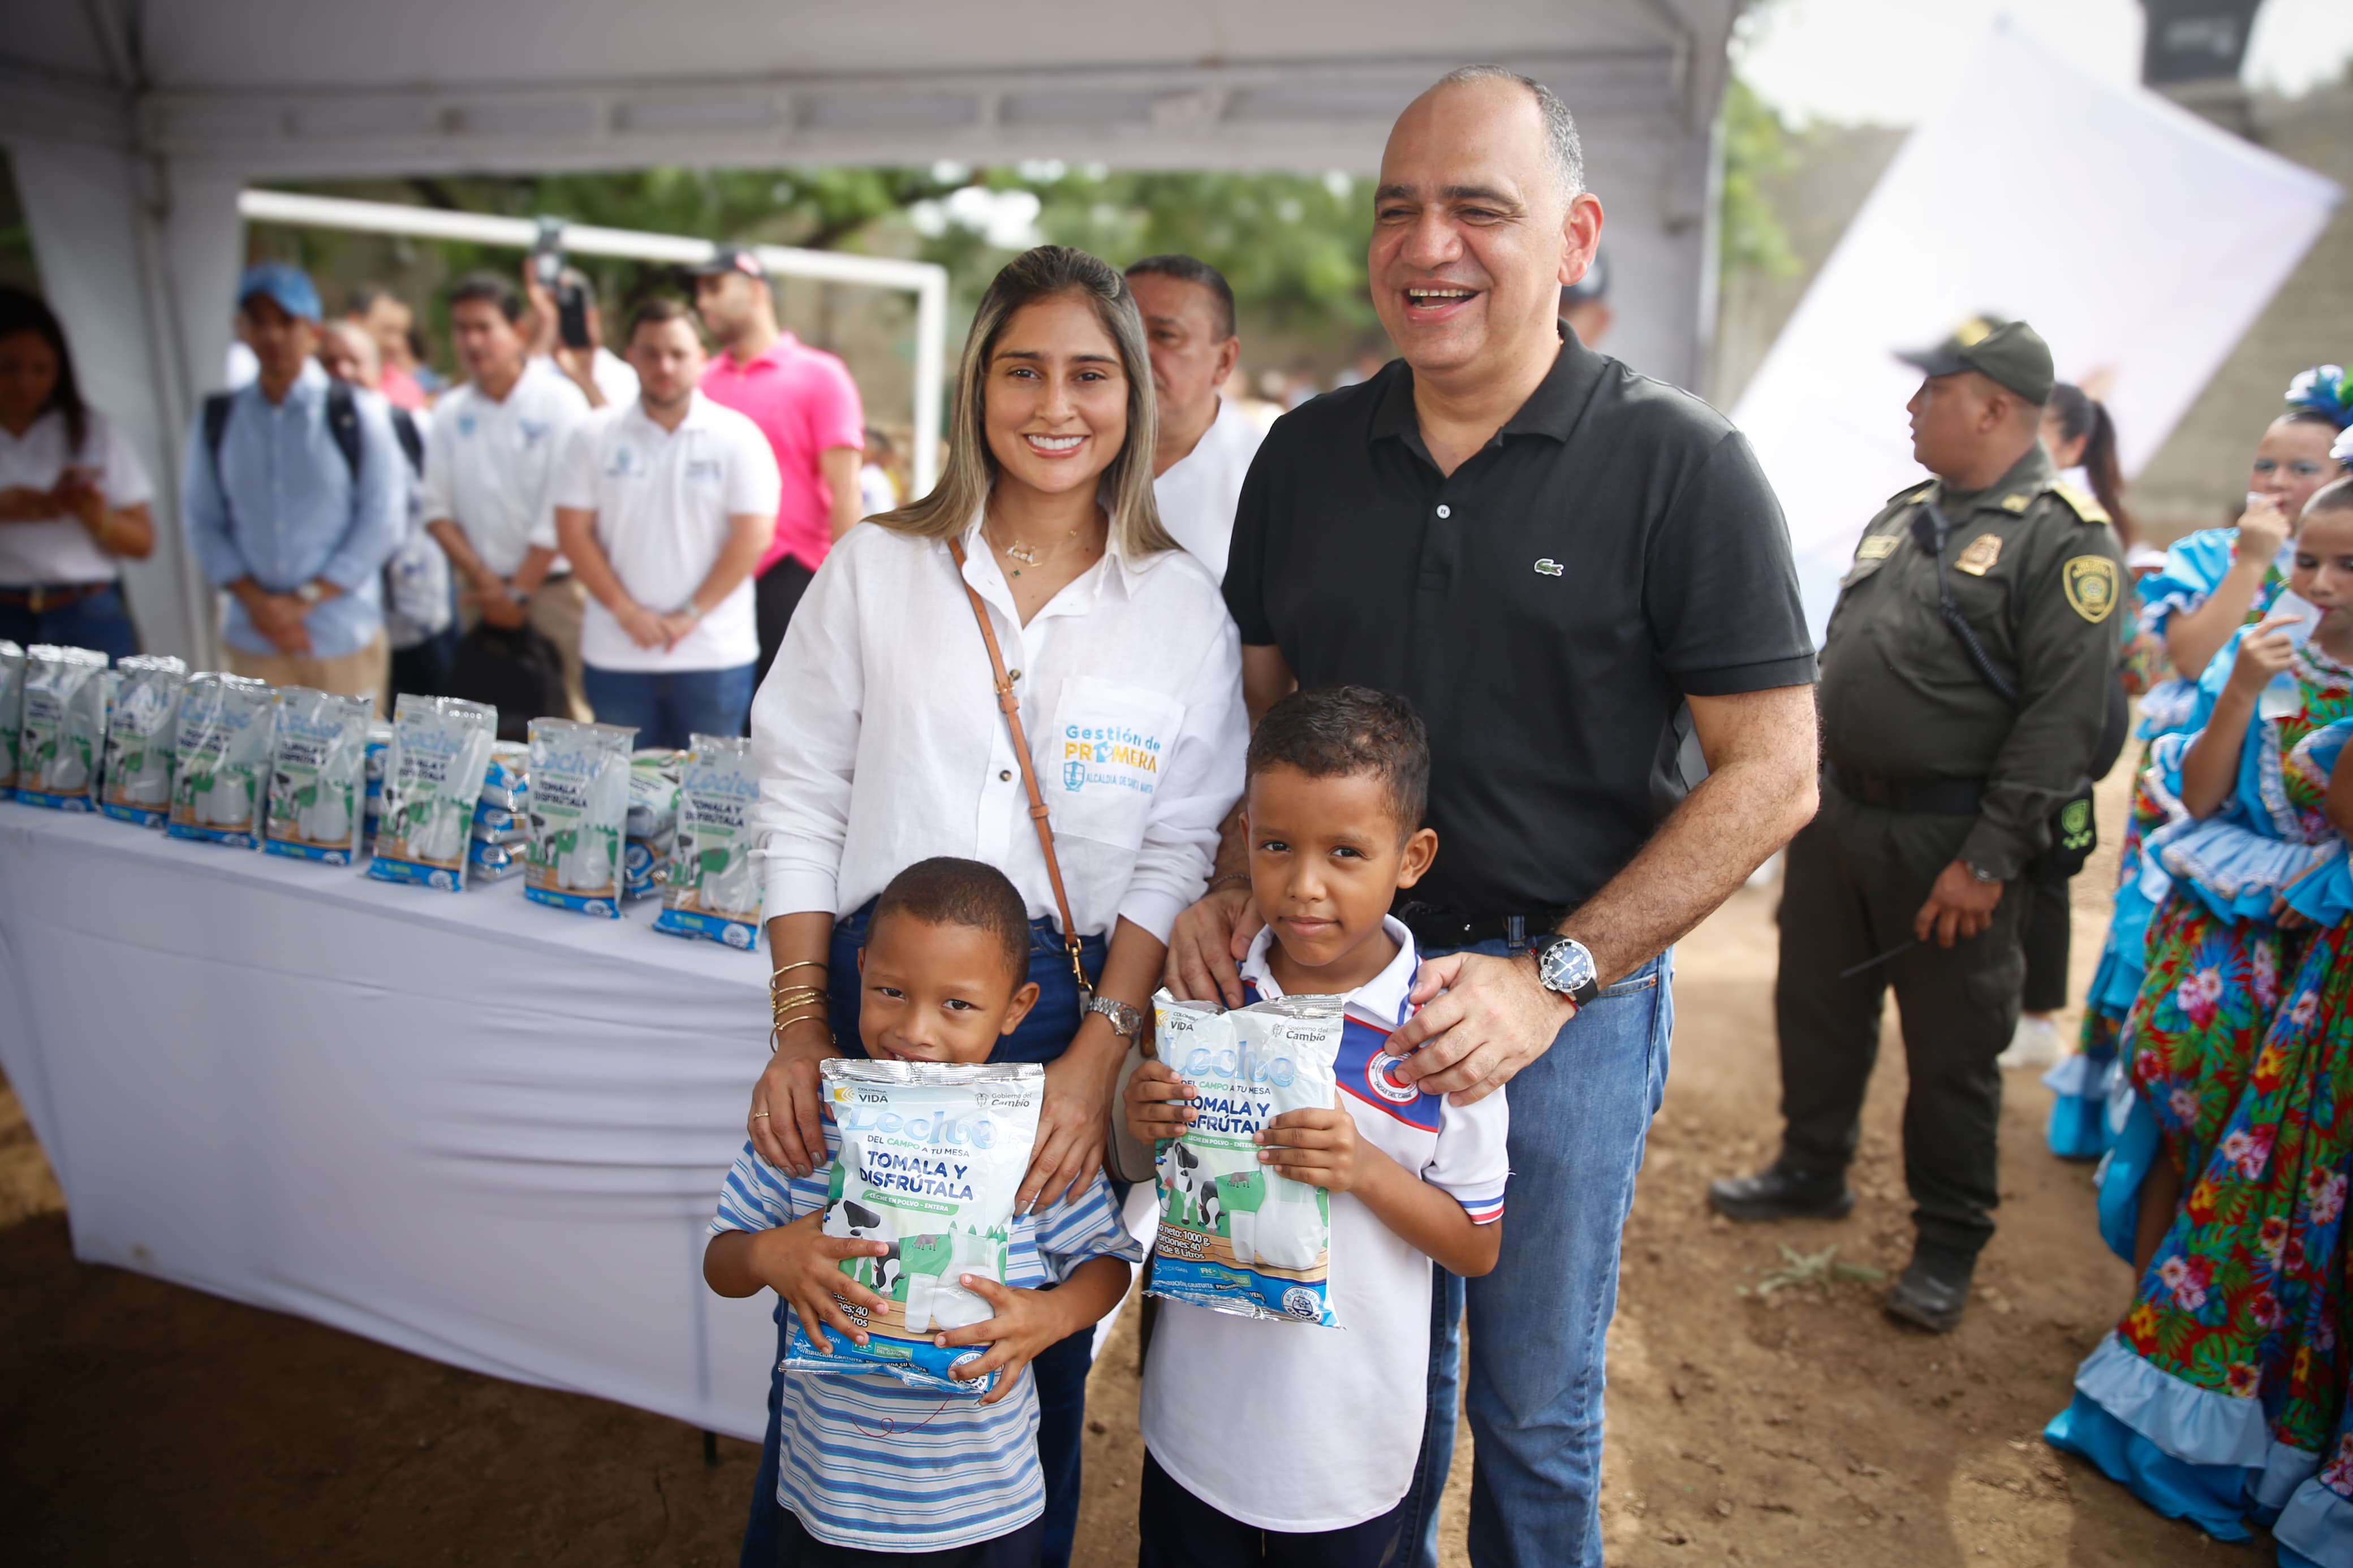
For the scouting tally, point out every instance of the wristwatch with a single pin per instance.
(309, 592)
(1565, 964)
(1125, 1020)
(1983, 877)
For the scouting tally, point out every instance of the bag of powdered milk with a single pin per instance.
(12, 712)
(61, 742)
(487, 862)
(714, 884)
(318, 781)
(221, 759)
(579, 804)
(141, 729)
(505, 779)
(932, 1155)
(1237, 1236)
(433, 774)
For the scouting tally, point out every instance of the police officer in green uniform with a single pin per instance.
(1963, 684)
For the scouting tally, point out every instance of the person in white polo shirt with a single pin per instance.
(664, 506)
(1206, 441)
(489, 459)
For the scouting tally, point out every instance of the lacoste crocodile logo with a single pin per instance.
(1547, 567)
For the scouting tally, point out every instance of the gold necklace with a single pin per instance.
(1027, 554)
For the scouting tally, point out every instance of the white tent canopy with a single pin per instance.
(130, 129)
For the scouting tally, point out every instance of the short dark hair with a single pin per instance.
(364, 297)
(654, 312)
(1192, 269)
(1335, 731)
(947, 891)
(488, 286)
(2337, 495)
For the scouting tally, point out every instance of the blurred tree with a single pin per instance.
(1756, 150)
(1291, 245)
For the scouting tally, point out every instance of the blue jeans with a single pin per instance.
(666, 707)
(1062, 1371)
(99, 622)
(1580, 1114)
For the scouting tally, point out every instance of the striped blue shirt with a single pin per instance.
(868, 1461)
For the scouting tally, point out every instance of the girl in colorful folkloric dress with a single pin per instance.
(2215, 1396)
(2213, 582)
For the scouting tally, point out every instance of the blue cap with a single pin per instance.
(283, 282)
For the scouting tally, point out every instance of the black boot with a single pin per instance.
(1782, 1190)
(1933, 1289)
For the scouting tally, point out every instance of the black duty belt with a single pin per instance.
(1933, 797)
(43, 598)
(1436, 926)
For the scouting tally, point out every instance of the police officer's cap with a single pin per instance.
(2011, 353)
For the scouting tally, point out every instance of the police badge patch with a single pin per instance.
(2091, 584)
(1979, 557)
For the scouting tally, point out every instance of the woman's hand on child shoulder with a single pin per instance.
(1317, 1147)
(1026, 1324)
(1159, 1103)
(802, 1264)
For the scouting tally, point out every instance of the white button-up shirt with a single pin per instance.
(879, 740)
(59, 549)
(664, 502)
(489, 464)
(1198, 493)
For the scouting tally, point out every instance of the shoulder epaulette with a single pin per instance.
(2083, 506)
(1911, 493)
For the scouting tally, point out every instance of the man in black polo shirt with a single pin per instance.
(1569, 569)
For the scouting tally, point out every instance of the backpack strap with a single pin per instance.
(217, 407)
(344, 424)
(412, 443)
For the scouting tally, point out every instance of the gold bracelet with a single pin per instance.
(798, 997)
(801, 963)
(776, 1037)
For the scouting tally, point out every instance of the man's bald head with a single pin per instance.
(1563, 152)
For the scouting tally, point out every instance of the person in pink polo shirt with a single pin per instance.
(806, 404)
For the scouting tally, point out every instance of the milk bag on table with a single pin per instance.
(932, 1155)
(318, 779)
(506, 779)
(61, 743)
(221, 761)
(487, 862)
(653, 821)
(579, 803)
(1237, 1236)
(12, 712)
(142, 730)
(714, 884)
(432, 777)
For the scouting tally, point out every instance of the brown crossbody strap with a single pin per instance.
(1010, 706)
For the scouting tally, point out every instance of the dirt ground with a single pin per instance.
(147, 1423)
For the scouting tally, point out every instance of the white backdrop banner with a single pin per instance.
(2138, 239)
(480, 1130)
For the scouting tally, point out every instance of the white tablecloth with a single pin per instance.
(480, 1130)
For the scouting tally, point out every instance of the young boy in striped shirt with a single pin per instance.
(871, 1471)
(1273, 1442)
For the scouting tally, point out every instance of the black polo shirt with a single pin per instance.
(1547, 609)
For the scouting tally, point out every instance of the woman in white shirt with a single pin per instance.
(880, 742)
(73, 495)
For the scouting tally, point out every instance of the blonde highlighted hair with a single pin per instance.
(1048, 272)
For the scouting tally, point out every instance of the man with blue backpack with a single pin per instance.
(295, 494)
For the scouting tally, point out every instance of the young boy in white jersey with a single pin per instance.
(871, 1471)
(1278, 1443)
